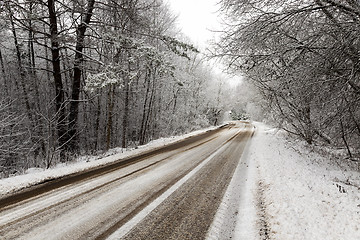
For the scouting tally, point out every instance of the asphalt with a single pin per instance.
(96, 203)
(188, 213)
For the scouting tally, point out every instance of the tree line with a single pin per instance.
(304, 58)
(81, 76)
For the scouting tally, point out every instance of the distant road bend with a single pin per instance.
(167, 193)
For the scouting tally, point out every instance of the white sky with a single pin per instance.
(196, 18)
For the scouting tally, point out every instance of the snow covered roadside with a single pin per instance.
(282, 190)
(303, 196)
(36, 176)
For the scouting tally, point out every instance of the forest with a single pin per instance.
(83, 76)
(303, 57)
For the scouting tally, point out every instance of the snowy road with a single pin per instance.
(170, 193)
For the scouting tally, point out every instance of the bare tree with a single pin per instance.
(303, 56)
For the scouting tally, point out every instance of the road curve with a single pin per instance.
(98, 204)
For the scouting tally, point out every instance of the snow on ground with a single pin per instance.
(35, 176)
(285, 190)
(290, 190)
(303, 194)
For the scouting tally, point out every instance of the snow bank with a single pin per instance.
(35, 176)
(305, 197)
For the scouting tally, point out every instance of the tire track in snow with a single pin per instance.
(264, 227)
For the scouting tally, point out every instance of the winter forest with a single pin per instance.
(84, 76)
(303, 57)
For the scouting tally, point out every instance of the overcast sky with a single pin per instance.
(196, 18)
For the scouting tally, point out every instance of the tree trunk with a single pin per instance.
(4, 74)
(75, 95)
(126, 113)
(150, 109)
(110, 115)
(22, 71)
(344, 139)
(59, 90)
(97, 122)
(47, 65)
(308, 131)
(35, 85)
(143, 120)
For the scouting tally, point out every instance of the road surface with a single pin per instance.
(168, 193)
